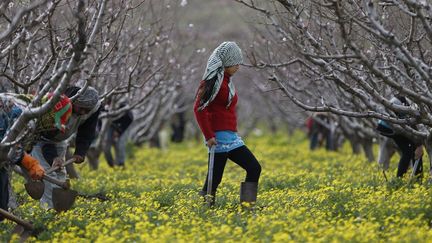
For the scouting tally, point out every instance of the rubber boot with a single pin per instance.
(248, 194)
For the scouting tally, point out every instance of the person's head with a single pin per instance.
(228, 56)
(84, 102)
(6, 104)
(232, 69)
(231, 56)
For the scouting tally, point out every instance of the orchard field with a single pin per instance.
(303, 196)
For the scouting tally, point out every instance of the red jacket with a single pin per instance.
(216, 116)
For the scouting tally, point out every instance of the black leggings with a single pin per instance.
(407, 148)
(241, 156)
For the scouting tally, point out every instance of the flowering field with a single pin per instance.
(303, 196)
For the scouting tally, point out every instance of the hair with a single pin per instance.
(205, 90)
(403, 100)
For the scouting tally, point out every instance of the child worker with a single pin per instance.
(215, 112)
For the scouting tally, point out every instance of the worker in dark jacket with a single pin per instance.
(51, 147)
(411, 152)
(117, 136)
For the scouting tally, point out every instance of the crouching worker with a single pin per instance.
(50, 148)
(411, 152)
(34, 169)
(117, 137)
(9, 112)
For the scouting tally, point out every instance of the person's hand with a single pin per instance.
(78, 158)
(418, 152)
(58, 162)
(211, 142)
(116, 134)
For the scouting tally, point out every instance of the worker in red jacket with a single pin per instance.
(215, 112)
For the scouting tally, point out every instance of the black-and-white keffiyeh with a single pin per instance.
(6, 103)
(87, 99)
(226, 54)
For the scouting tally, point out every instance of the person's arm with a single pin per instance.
(123, 123)
(203, 116)
(418, 153)
(17, 156)
(128, 120)
(85, 135)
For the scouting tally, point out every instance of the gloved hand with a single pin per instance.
(31, 164)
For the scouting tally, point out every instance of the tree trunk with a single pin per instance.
(93, 157)
(178, 127)
(428, 147)
(154, 141)
(368, 150)
(272, 125)
(355, 146)
(250, 125)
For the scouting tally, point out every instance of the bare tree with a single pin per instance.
(352, 56)
(21, 63)
(123, 48)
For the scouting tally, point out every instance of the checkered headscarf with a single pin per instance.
(87, 99)
(225, 55)
(6, 104)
